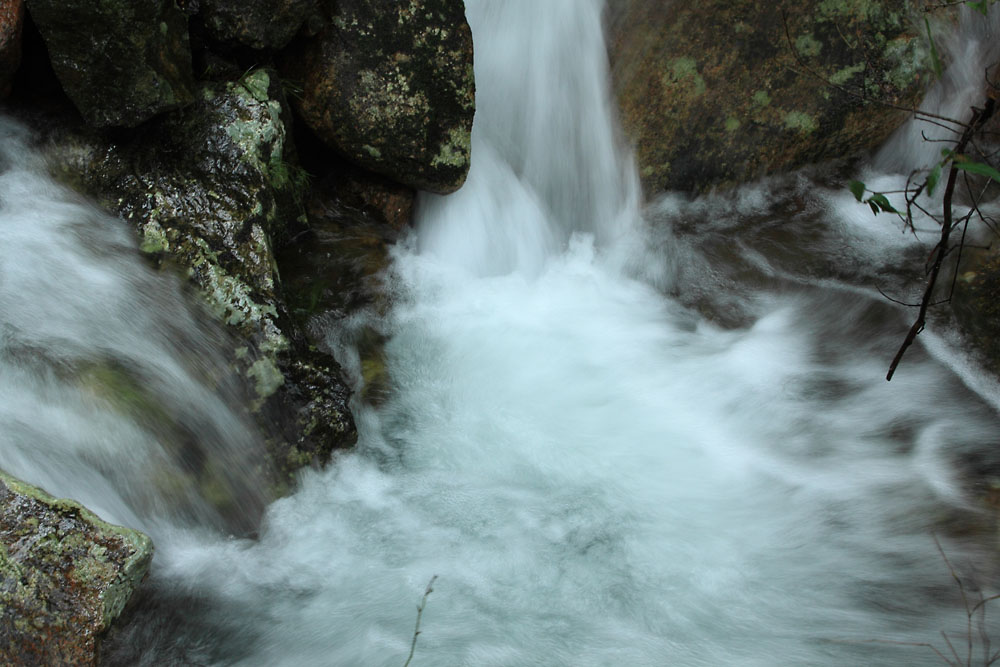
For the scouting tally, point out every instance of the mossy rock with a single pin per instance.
(723, 92)
(65, 576)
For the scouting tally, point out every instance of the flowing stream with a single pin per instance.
(614, 441)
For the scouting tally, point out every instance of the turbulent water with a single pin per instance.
(613, 443)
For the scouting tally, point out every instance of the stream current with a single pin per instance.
(617, 437)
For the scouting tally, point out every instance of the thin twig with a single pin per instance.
(420, 612)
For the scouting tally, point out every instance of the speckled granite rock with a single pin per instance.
(65, 576)
(713, 93)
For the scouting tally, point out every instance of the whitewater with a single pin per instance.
(618, 432)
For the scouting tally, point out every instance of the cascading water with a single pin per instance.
(110, 392)
(597, 474)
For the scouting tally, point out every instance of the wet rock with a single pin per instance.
(11, 25)
(65, 576)
(120, 61)
(339, 269)
(259, 24)
(211, 190)
(391, 88)
(714, 94)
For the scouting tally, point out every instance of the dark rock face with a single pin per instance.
(391, 87)
(120, 61)
(976, 303)
(712, 93)
(11, 23)
(211, 189)
(259, 24)
(65, 575)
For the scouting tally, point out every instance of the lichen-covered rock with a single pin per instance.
(391, 87)
(713, 93)
(65, 576)
(259, 24)
(11, 23)
(211, 189)
(120, 61)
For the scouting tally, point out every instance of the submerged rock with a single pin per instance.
(719, 93)
(120, 61)
(11, 24)
(391, 87)
(65, 576)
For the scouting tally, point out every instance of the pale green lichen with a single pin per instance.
(761, 98)
(267, 377)
(802, 122)
(257, 84)
(808, 46)
(454, 152)
(732, 124)
(684, 72)
(844, 75)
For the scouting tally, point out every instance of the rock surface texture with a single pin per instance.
(65, 575)
(11, 24)
(391, 87)
(259, 24)
(720, 92)
(120, 61)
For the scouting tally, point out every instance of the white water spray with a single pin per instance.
(597, 475)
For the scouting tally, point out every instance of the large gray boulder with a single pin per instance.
(718, 92)
(391, 87)
(65, 576)
(121, 62)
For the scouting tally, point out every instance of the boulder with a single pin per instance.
(121, 62)
(11, 24)
(391, 87)
(259, 24)
(211, 190)
(65, 576)
(725, 91)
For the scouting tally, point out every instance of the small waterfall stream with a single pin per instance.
(598, 473)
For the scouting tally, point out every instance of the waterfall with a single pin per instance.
(597, 473)
(102, 396)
